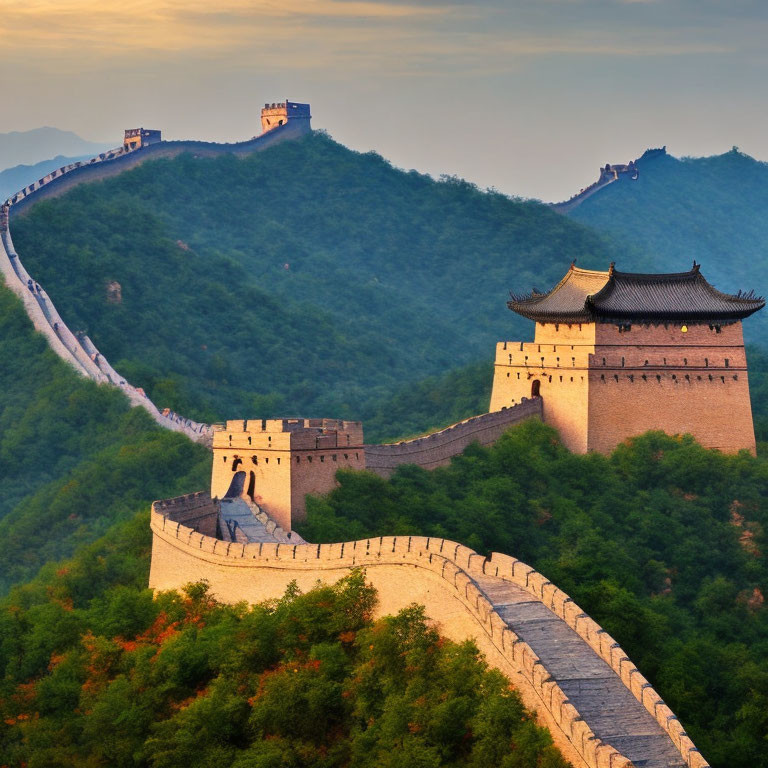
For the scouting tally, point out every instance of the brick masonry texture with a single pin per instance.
(600, 710)
(437, 448)
(601, 385)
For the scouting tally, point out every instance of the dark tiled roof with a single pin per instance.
(585, 296)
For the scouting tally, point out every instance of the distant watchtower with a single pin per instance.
(277, 462)
(135, 138)
(275, 115)
(616, 354)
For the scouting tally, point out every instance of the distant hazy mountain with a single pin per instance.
(30, 147)
(14, 179)
(711, 209)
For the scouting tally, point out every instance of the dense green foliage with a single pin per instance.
(95, 672)
(435, 402)
(757, 360)
(711, 209)
(305, 278)
(316, 279)
(74, 457)
(663, 543)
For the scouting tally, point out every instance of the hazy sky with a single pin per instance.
(529, 96)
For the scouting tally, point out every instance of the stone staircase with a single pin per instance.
(603, 701)
(244, 522)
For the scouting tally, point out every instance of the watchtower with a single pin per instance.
(135, 138)
(277, 462)
(277, 114)
(616, 354)
(4, 209)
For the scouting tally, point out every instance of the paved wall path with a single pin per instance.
(601, 711)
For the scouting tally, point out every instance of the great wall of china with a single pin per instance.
(601, 711)
(608, 175)
(78, 350)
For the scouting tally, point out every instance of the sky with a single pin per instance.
(525, 96)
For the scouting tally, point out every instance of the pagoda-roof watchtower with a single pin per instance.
(589, 296)
(617, 353)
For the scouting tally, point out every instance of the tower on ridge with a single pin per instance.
(277, 462)
(275, 115)
(135, 138)
(616, 354)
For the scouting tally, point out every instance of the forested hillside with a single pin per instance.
(663, 543)
(74, 457)
(306, 278)
(711, 209)
(96, 672)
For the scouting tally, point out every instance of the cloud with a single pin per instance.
(176, 25)
(399, 37)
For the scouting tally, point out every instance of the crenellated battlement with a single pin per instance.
(275, 463)
(600, 710)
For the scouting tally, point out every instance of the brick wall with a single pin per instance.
(600, 386)
(166, 149)
(436, 449)
(440, 574)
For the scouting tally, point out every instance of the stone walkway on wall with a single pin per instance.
(604, 702)
(600, 709)
(245, 522)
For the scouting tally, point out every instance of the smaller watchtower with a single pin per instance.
(275, 115)
(277, 462)
(135, 138)
(4, 217)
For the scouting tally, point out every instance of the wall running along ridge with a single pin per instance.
(80, 352)
(601, 711)
(437, 448)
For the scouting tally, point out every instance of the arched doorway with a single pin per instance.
(251, 485)
(536, 388)
(236, 486)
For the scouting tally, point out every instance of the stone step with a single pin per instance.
(597, 692)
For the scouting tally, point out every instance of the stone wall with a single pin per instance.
(124, 161)
(602, 643)
(446, 577)
(81, 353)
(437, 449)
(600, 385)
(196, 511)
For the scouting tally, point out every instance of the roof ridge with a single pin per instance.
(583, 271)
(659, 276)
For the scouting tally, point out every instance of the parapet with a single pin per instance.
(288, 434)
